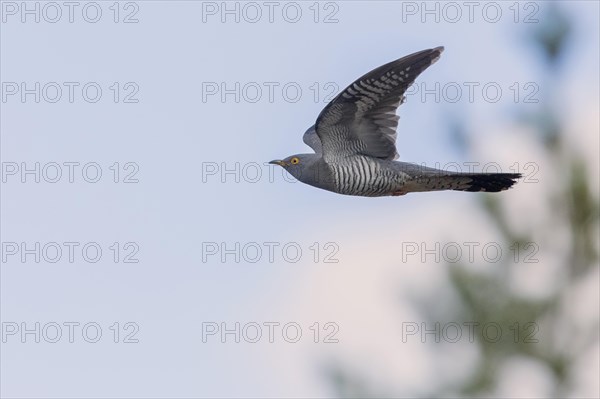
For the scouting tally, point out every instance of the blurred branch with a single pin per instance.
(488, 298)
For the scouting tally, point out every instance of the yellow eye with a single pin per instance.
(295, 161)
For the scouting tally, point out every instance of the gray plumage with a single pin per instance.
(354, 139)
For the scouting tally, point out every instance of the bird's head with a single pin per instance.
(298, 165)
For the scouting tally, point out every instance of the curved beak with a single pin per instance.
(278, 162)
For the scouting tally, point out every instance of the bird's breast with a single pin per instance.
(364, 176)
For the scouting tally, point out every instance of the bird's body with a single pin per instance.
(370, 177)
(353, 175)
(354, 141)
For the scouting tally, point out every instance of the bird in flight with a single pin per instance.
(354, 140)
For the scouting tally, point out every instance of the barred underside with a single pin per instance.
(365, 176)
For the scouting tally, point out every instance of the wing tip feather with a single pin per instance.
(438, 53)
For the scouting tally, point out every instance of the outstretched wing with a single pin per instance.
(312, 140)
(362, 118)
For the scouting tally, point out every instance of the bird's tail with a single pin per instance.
(487, 182)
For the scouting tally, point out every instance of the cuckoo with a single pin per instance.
(354, 141)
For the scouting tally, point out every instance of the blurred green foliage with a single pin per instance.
(486, 298)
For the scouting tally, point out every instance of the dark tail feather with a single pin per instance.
(489, 182)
